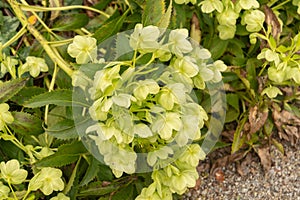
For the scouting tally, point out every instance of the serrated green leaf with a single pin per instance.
(110, 28)
(57, 160)
(63, 130)
(96, 189)
(125, 193)
(70, 22)
(218, 48)
(66, 154)
(166, 18)
(56, 97)
(153, 12)
(10, 88)
(26, 93)
(91, 172)
(26, 124)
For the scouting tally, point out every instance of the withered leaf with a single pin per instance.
(195, 29)
(272, 20)
(257, 118)
(265, 157)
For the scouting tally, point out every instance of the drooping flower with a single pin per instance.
(144, 88)
(4, 191)
(11, 172)
(47, 180)
(60, 196)
(83, 48)
(144, 39)
(34, 65)
(248, 4)
(208, 6)
(253, 20)
(179, 43)
(165, 125)
(5, 116)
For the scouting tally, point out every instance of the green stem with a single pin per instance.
(12, 190)
(280, 5)
(56, 58)
(61, 8)
(27, 193)
(21, 32)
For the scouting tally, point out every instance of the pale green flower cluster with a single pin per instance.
(147, 107)
(175, 177)
(284, 64)
(227, 13)
(47, 180)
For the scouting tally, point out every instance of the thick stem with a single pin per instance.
(56, 58)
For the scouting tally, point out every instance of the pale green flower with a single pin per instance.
(123, 100)
(34, 65)
(161, 153)
(164, 125)
(181, 181)
(4, 191)
(269, 55)
(142, 130)
(60, 196)
(192, 155)
(226, 32)
(8, 64)
(144, 88)
(186, 66)
(47, 180)
(5, 116)
(144, 39)
(271, 92)
(171, 94)
(105, 79)
(248, 4)
(185, 1)
(79, 79)
(11, 172)
(277, 75)
(228, 17)
(149, 193)
(254, 20)
(217, 68)
(208, 6)
(83, 48)
(178, 42)
(100, 108)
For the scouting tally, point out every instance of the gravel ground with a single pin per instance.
(281, 182)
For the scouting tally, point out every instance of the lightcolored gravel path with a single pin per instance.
(281, 182)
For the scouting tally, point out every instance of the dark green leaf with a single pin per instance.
(96, 189)
(153, 12)
(218, 47)
(63, 130)
(10, 88)
(66, 154)
(125, 193)
(110, 28)
(26, 124)
(56, 97)
(70, 22)
(91, 172)
(26, 93)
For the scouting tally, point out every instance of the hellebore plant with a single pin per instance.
(145, 108)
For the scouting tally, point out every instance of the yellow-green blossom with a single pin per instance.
(34, 65)
(4, 191)
(83, 48)
(60, 196)
(11, 172)
(47, 180)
